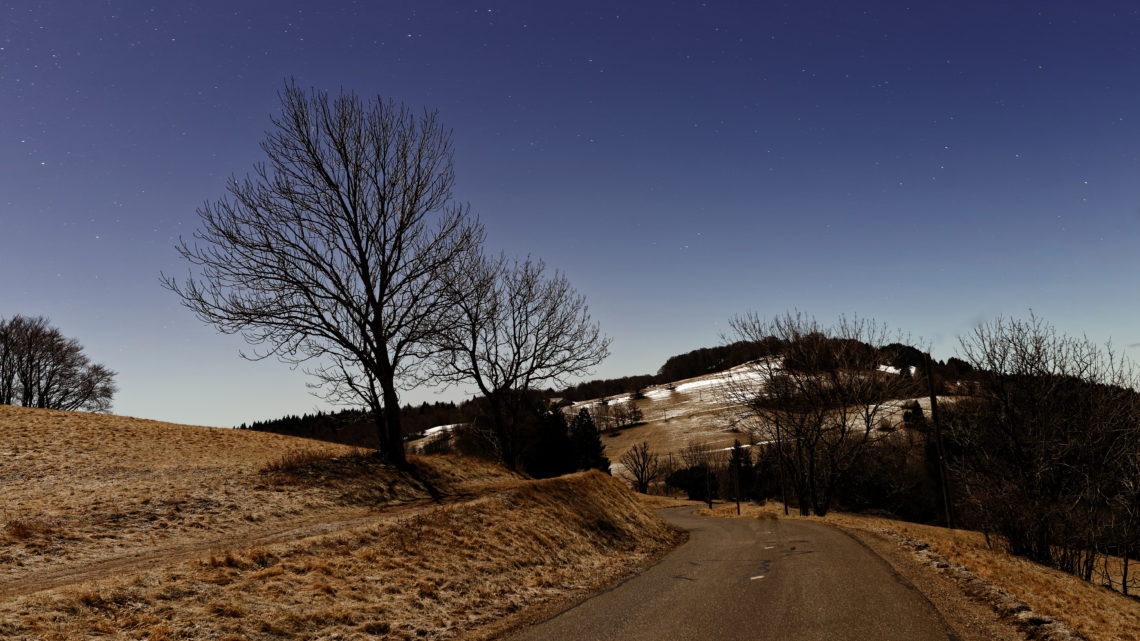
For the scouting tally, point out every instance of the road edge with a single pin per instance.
(968, 616)
(541, 612)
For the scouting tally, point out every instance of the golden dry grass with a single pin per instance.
(80, 488)
(132, 529)
(448, 572)
(1096, 612)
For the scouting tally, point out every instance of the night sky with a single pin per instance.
(681, 162)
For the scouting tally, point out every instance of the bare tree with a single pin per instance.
(642, 467)
(8, 338)
(40, 367)
(739, 464)
(694, 454)
(620, 414)
(512, 328)
(1127, 518)
(626, 413)
(697, 471)
(819, 402)
(603, 414)
(333, 252)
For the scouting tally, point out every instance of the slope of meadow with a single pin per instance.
(80, 488)
(135, 529)
(690, 411)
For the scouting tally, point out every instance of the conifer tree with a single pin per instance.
(587, 443)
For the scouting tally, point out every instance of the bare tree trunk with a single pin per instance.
(392, 433)
(708, 484)
(783, 471)
(394, 443)
(1124, 571)
(801, 482)
(813, 487)
(503, 429)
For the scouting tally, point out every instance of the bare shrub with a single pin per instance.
(25, 529)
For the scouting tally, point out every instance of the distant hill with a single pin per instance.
(354, 427)
(698, 362)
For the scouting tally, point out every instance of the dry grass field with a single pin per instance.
(122, 528)
(1096, 612)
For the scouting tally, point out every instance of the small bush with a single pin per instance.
(296, 461)
(24, 529)
(377, 627)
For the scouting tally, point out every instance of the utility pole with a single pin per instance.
(942, 473)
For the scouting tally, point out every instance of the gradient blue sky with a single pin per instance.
(682, 162)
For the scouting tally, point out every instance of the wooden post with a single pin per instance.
(736, 483)
(708, 481)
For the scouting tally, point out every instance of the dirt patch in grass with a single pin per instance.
(463, 570)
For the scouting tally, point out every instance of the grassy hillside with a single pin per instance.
(79, 487)
(137, 529)
(686, 411)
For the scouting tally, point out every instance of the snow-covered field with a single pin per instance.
(697, 411)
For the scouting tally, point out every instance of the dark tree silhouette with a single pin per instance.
(740, 468)
(40, 367)
(333, 252)
(626, 413)
(586, 441)
(553, 450)
(641, 466)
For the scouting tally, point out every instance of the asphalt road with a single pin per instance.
(754, 579)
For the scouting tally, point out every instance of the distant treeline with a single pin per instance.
(708, 360)
(353, 427)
